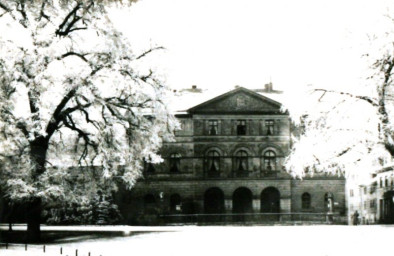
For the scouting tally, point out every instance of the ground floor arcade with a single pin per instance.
(232, 200)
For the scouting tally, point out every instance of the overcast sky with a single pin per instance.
(224, 43)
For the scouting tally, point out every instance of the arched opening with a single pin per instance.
(241, 163)
(149, 203)
(175, 163)
(213, 163)
(270, 203)
(175, 203)
(269, 161)
(242, 203)
(213, 204)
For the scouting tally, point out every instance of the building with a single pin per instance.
(226, 165)
(373, 201)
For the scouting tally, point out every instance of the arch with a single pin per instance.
(242, 203)
(305, 201)
(175, 202)
(244, 147)
(212, 161)
(149, 204)
(214, 147)
(269, 146)
(270, 203)
(213, 203)
(269, 160)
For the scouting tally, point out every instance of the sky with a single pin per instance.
(224, 43)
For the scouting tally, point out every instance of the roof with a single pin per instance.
(185, 99)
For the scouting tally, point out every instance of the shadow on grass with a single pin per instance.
(59, 237)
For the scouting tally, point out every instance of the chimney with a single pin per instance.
(268, 87)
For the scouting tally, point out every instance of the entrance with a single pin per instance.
(270, 203)
(242, 203)
(214, 204)
(388, 212)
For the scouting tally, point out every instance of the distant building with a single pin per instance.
(373, 201)
(227, 166)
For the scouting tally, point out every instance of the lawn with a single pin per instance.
(262, 240)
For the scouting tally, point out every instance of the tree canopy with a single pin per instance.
(73, 93)
(347, 129)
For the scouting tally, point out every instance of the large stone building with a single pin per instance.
(227, 165)
(373, 200)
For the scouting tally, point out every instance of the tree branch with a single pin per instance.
(149, 51)
(365, 98)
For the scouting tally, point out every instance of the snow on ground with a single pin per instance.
(263, 240)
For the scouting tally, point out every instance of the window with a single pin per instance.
(365, 190)
(213, 127)
(241, 161)
(380, 182)
(372, 204)
(175, 163)
(241, 127)
(351, 193)
(213, 163)
(269, 160)
(269, 125)
(306, 201)
(148, 167)
(386, 182)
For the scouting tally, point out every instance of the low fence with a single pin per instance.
(254, 218)
(45, 249)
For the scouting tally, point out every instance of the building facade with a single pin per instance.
(226, 165)
(373, 202)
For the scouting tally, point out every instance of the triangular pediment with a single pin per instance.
(240, 100)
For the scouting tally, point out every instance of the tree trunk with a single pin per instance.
(33, 218)
(38, 152)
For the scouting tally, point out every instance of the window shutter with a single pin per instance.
(220, 132)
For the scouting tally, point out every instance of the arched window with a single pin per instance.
(241, 161)
(306, 201)
(269, 160)
(213, 163)
(148, 167)
(175, 163)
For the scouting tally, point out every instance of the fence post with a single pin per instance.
(25, 247)
(76, 252)
(43, 247)
(61, 250)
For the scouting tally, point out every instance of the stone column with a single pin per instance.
(228, 205)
